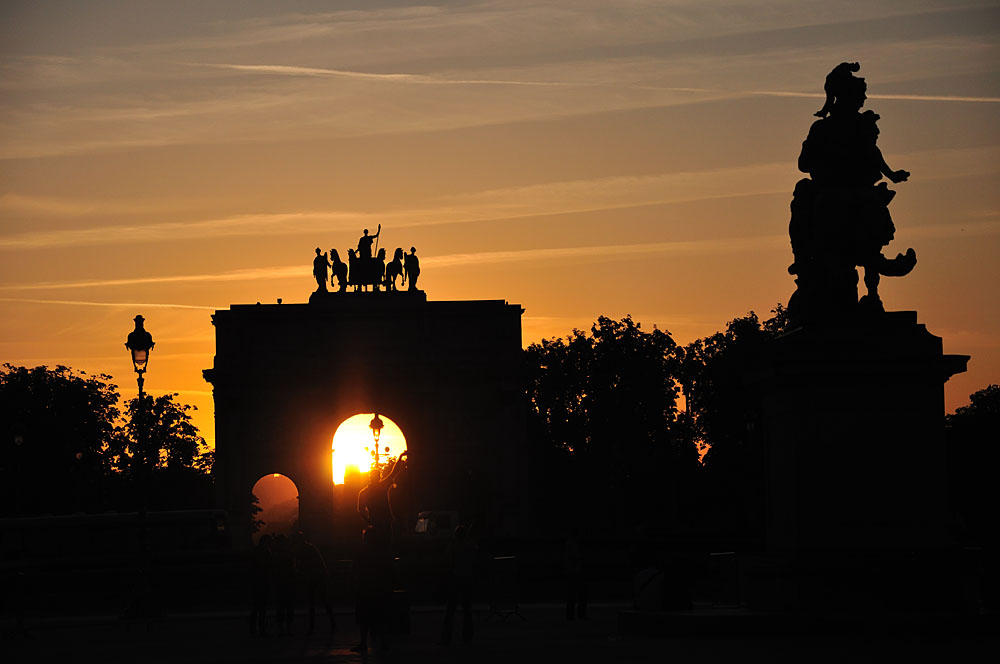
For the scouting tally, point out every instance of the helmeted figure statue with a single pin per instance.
(840, 216)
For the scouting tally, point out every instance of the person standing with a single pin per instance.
(320, 265)
(314, 578)
(463, 563)
(411, 268)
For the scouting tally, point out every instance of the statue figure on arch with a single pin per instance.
(320, 266)
(411, 268)
(365, 243)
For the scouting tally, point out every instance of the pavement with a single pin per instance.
(541, 633)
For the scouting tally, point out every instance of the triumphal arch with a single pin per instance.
(447, 372)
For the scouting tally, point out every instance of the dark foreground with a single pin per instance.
(544, 635)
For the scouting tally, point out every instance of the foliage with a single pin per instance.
(255, 509)
(603, 408)
(67, 446)
(709, 375)
(972, 432)
(610, 394)
(158, 433)
(58, 426)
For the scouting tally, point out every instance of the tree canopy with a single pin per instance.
(68, 446)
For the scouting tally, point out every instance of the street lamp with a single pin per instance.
(139, 343)
(376, 426)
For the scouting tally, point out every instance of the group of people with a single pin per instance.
(374, 570)
(364, 269)
(283, 567)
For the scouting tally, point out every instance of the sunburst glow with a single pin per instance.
(353, 442)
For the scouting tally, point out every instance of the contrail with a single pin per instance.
(141, 305)
(818, 95)
(291, 70)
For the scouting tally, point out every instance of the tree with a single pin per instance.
(163, 453)
(59, 427)
(973, 455)
(604, 406)
(711, 380)
(68, 447)
(159, 434)
(721, 419)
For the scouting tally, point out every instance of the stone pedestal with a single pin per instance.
(851, 419)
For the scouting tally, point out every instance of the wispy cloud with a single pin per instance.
(291, 70)
(590, 253)
(711, 246)
(87, 303)
(607, 193)
(778, 93)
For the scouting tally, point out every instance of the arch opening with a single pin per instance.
(353, 446)
(276, 506)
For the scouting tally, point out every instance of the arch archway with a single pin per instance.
(276, 497)
(353, 445)
(448, 373)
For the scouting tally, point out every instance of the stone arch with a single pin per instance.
(354, 434)
(277, 499)
(286, 376)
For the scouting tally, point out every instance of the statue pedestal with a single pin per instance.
(851, 420)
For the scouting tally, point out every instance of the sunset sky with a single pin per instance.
(577, 157)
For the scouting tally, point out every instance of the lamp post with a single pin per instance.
(139, 343)
(376, 426)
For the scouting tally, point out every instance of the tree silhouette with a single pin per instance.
(710, 379)
(605, 406)
(58, 427)
(68, 447)
(723, 423)
(973, 456)
(159, 433)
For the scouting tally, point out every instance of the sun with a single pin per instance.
(353, 442)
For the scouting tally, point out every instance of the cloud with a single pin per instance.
(550, 255)
(776, 93)
(126, 305)
(606, 193)
(369, 76)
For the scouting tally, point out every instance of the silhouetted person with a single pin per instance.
(462, 560)
(576, 579)
(411, 268)
(338, 269)
(283, 576)
(315, 579)
(373, 504)
(365, 243)
(373, 587)
(320, 265)
(260, 584)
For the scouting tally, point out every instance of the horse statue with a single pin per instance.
(394, 269)
(338, 270)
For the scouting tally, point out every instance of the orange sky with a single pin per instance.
(580, 158)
